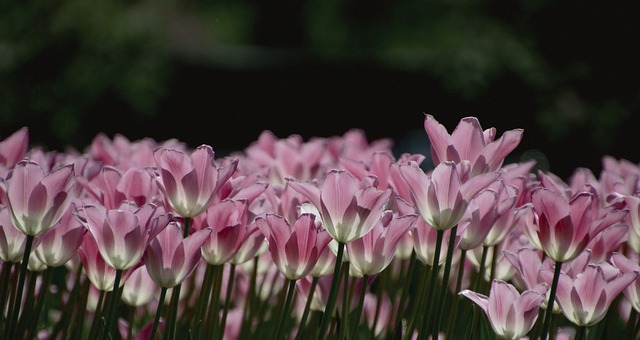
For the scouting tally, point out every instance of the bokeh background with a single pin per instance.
(219, 72)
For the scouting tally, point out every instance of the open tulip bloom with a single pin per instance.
(96, 244)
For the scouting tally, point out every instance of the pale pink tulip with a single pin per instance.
(478, 220)
(294, 249)
(228, 222)
(170, 259)
(101, 274)
(12, 241)
(348, 209)
(58, 244)
(585, 299)
(373, 252)
(629, 265)
(139, 289)
(189, 182)
(469, 142)
(14, 147)
(37, 200)
(511, 314)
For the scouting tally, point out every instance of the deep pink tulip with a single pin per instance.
(118, 233)
(511, 314)
(373, 252)
(14, 147)
(58, 244)
(170, 259)
(228, 222)
(585, 299)
(442, 198)
(469, 142)
(348, 209)
(37, 200)
(294, 249)
(561, 228)
(189, 182)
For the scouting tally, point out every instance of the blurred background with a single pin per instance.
(220, 72)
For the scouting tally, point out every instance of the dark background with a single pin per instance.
(221, 72)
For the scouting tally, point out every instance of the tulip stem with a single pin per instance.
(214, 305)
(307, 309)
(346, 298)
(328, 313)
(113, 304)
(156, 320)
(5, 279)
(552, 297)
(456, 298)
(32, 327)
(187, 225)
(363, 291)
(170, 333)
(432, 284)
(227, 299)
(445, 282)
(285, 310)
(582, 333)
(97, 316)
(17, 299)
(203, 301)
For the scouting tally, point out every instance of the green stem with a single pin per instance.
(20, 288)
(445, 282)
(307, 309)
(173, 318)
(187, 226)
(328, 313)
(27, 309)
(494, 261)
(114, 304)
(80, 310)
(156, 320)
(203, 301)
(483, 265)
(32, 327)
(363, 291)
(406, 285)
(456, 298)
(250, 300)
(95, 325)
(432, 285)
(5, 279)
(582, 333)
(631, 324)
(214, 305)
(285, 310)
(227, 299)
(552, 297)
(419, 302)
(344, 326)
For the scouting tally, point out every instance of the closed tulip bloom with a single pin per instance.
(478, 220)
(348, 209)
(228, 223)
(170, 259)
(101, 275)
(629, 265)
(61, 242)
(190, 181)
(294, 249)
(563, 226)
(118, 233)
(585, 299)
(442, 198)
(373, 252)
(511, 314)
(12, 241)
(139, 289)
(37, 200)
(14, 147)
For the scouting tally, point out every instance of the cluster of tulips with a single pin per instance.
(311, 239)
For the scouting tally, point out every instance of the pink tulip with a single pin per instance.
(469, 142)
(170, 259)
(442, 198)
(373, 252)
(585, 299)
(629, 265)
(424, 243)
(101, 274)
(228, 223)
(61, 242)
(37, 200)
(189, 182)
(118, 233)
(348, 209)
(478, 219)
(511, 314)
(294, 249)
(12, 241)
(14, 147)
(139, 289)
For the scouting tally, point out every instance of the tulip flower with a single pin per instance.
(294, 249)
(585, 299)
(14, 147)
(100, 273)
(469, 142)
(629, 265)
(348, 209)
(373, 252)
(170, 259)
(61, 242)
(189, 182)
(12, 241)
(511, 314)
(37, 200)
(139, 289)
